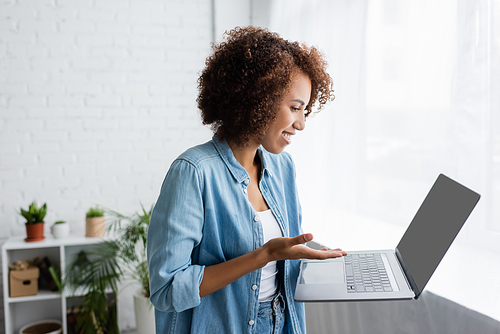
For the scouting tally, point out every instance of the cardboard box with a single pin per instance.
(24, 282)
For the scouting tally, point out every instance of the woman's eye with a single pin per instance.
(295, 109)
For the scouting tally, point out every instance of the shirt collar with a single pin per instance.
(236, 169)
(264, 158)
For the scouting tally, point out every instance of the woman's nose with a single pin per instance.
(300, 122)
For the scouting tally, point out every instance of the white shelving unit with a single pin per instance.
(20, 311)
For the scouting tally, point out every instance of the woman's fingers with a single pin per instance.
(294, 248)
(339, 250)
(324, 253)
(301, 239)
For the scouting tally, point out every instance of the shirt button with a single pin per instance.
(254, 287)
(256, 218)
(251, 322)
(245, 191)
(247, 181)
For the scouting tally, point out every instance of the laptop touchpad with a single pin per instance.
(322, 272)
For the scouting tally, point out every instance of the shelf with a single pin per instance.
(19, 243)
(42, 295)
(19, 311)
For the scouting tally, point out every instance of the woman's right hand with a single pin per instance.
(294, 248)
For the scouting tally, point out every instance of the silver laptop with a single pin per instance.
(393, 274)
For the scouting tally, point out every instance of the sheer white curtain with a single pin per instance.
(417, 94)
(326, 153)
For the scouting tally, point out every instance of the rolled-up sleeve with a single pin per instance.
(175, 230)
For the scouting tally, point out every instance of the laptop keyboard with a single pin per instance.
(366, 273)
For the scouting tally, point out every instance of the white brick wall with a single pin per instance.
(96, 100)
(104, 84)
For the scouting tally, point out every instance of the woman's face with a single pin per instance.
(290, 117)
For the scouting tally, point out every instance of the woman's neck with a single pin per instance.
(246, 156)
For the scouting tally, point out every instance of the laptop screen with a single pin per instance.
(434, 227)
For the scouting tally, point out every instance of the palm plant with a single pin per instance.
(132, 233)
(97, 273)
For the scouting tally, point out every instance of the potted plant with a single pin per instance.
(60, 229)
(34, 221)
(99, 272)
(132, 232)
(94, 222)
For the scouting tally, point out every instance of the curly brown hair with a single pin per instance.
(246, 78)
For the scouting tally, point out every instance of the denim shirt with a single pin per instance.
(203, 217)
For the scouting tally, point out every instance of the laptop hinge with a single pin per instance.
(408, 275)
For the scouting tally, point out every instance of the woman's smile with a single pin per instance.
(288, 137)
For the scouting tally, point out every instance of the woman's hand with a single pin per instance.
(293, 248)
(219, 275)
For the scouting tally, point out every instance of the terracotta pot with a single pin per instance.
(94, 227)
(34, 232)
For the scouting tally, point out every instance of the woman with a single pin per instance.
(225, 239)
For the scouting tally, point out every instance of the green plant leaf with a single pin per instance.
(55, 277)
(34, 214)
(132, 232)
(95, 212)
(101, 269)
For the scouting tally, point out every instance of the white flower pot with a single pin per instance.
(60, 230)
(144, 314)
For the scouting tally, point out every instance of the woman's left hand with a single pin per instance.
(294, 248)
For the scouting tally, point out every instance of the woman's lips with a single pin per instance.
(288, 137)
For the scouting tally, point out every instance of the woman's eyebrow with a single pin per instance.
(299, 101)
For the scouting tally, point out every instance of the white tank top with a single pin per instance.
(268, 280)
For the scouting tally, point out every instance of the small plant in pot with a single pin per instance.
(95, 223)
(34, 221)
(60, 229)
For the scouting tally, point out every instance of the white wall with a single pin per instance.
(96, 100)
(229, 14)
